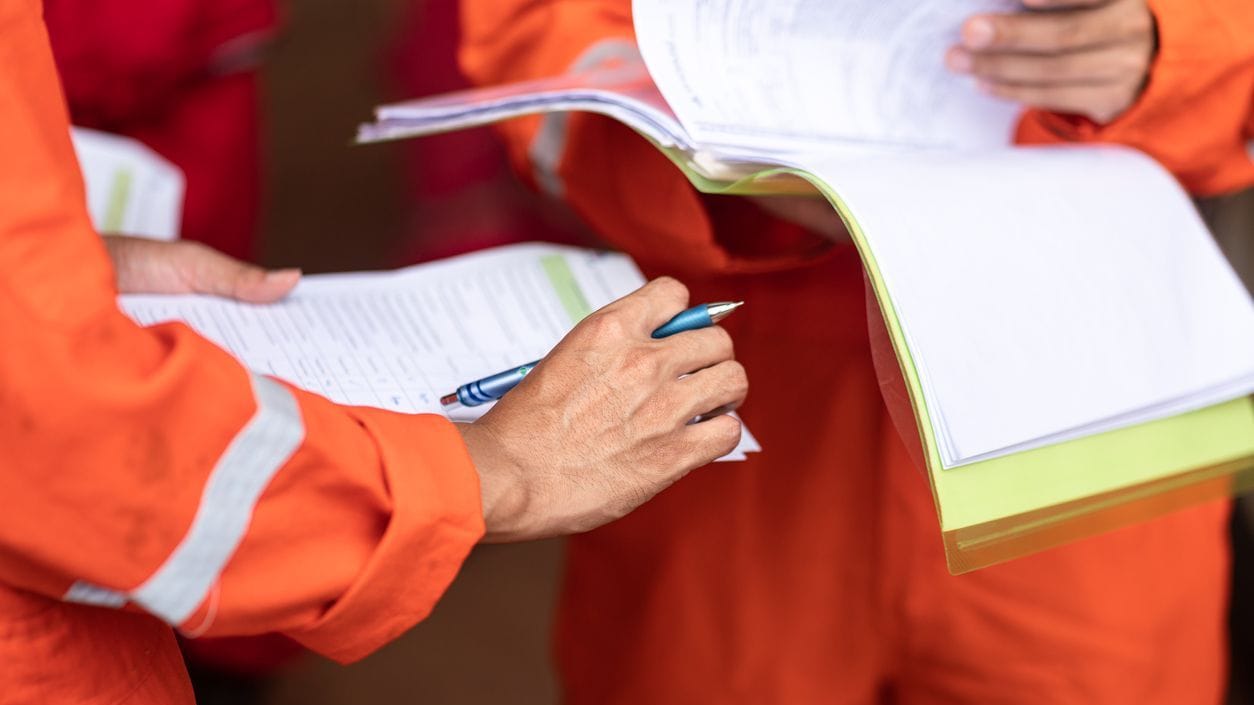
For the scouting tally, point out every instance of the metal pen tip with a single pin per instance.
(723, 309)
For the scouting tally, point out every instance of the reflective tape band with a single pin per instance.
(550, 141)
(88, 594)
(1249, 149)
(261, 448)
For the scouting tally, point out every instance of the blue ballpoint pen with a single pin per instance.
(494, 387)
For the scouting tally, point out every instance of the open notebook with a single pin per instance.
(400, 340)
(1066, 327)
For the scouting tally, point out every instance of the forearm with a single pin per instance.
(221, 501)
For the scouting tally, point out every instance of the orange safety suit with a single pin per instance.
(148, 481)
(813, 572)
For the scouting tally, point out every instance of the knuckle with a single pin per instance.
(1007, 29)
(1131, 63)
(673, 458)
(1138, 20)
(604, 326)
(738, 377)
(659, 455)
(722, 342)
(1021, 31)
(725, 435)
(1061, 33)
(641, 363)
(670, 287)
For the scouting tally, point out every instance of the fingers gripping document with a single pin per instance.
(399, 340)
(800, 75)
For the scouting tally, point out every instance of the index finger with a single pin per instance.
(1046, 32)
(652, 304)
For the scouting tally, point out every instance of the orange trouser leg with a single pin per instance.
(56, 652)
(813, 573)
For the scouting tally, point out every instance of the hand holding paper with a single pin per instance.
(1090, 57)
(145, 266)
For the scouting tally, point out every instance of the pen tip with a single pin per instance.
(722, 310)
(450, 400)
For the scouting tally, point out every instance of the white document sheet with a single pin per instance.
(1098, 301)
(625, 93)
(787, 75)
(401, 340)
(131, 190)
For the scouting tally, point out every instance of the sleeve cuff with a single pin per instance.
(437, 519)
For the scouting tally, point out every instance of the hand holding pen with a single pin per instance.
(493, 387)
(604, 423)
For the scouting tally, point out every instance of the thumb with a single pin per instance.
(207, 271)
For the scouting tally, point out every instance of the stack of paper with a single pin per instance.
(1078, 311)
(625, 93)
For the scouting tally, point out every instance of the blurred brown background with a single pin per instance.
(330, 206)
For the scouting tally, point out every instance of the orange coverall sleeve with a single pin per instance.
(626, 189)
(1196, 114)
(146, 469)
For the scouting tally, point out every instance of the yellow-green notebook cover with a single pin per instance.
(1000, 509)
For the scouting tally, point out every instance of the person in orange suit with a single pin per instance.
(182, 77)
(152, 483)
(814, 572)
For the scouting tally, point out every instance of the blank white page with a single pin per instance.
(1047, 294)
(787, 75)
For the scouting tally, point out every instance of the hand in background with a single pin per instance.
(182, 267)
(602, 424)
(1088, 57)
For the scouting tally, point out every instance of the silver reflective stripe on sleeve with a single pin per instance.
(550, 142)
(88, 594)
(1249, 149)
(252, 459)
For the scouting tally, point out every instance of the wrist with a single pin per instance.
(505, 497)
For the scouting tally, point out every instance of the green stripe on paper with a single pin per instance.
(566, 288)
